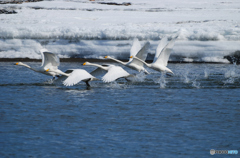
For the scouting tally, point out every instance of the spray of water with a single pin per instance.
(231, 74)
(140, 77)
(185, 76)
(206, 73)
(196, 84)
(162, 81)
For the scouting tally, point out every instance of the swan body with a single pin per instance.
(161, 57)
(74, 76)
(137, 51)
(112, 72)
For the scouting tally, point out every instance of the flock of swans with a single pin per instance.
(138, 55)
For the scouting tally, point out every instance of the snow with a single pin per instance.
(207, 30)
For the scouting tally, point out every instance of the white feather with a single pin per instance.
(76, 76)
(114, 72)
(160, 47)
(136, 46)
(165, 53)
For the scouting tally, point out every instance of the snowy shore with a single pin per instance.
(208, 30)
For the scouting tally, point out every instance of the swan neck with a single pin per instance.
(97, 65)
(142, 61)
(22, 64)
(64, 74)
(119, 61)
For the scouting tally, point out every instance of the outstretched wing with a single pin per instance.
(114, 73)
(142, 54)
(98, 72)
(135, 48)
(164, 55)
(76, 76)
(160, 47)
(49, 59)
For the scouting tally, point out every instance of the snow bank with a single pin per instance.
(207, 29)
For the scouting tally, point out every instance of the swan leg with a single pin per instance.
(87, 83)
(169, 75)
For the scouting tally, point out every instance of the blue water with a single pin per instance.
(182, 116)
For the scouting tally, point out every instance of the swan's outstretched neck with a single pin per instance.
(22, 64)
(97, 65)
(148, 65)
(108, 57)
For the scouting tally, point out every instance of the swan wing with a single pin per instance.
(142, 54)
(49, 59)
(164, 55)
(114, 73)
(160, 47)
(98, 72)
(136, 46)
(76, 76)
(63, 77)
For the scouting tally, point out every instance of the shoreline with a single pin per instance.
(96, 60)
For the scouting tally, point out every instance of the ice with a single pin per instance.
(207, 30)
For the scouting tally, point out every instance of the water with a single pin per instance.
(158, 116)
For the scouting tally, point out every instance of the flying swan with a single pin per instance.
(137, 51)
(112, 72)
(50, 63)
(161, 57)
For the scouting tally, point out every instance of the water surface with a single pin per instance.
(158, 116)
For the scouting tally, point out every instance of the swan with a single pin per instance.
(74, 76)
(161, 57)
(113, 72)
(49, 60)
(50, 63)
(141, 53)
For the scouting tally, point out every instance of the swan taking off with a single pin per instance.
(137, 51)
(161, 57)
(113, 72)
(50, 63)
(74, 76)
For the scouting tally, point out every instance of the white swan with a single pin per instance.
(74, 76)
(49, 60)
(113, 72)
(141, 53)
(50, 63)
(161, 57)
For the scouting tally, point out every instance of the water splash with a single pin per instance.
(115, 85)
(196, 84)
(185, 76)
(231, 72)
(162, 81)
(140, 77)
(206, 73)
(49, 81)
(230, 80)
